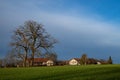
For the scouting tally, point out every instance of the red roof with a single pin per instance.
(40, 59)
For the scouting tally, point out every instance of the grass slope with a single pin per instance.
(92, 72)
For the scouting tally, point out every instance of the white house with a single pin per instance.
(50, 63)
(74, 61)
(99, 63)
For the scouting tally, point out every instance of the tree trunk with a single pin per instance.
(25, 59)
(32, 59)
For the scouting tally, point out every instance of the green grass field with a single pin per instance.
(91, 72)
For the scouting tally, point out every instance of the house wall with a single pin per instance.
(50, 63)
(98, 62)
(73, 62)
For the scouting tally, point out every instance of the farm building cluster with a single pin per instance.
(73, 61)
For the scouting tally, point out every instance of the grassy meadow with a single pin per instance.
(89, 72)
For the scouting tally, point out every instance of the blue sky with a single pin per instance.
(81, 26)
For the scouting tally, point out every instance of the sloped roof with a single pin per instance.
(77, 59)
(40, 59)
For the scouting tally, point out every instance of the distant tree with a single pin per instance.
(31, 39)
(1, 62)
(52, 56)
(110, 60)
(10, 60)
(83, 59)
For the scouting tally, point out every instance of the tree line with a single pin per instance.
(84, 60)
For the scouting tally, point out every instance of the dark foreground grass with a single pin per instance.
(92, 72)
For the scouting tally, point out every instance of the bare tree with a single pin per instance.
(83, 59)
(31, 39)
(20, 43)
(10, 60)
